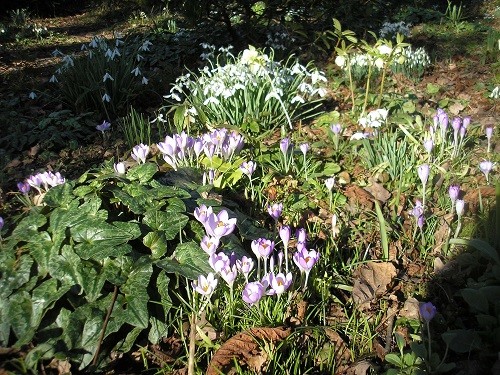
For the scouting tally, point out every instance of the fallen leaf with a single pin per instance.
(13, 164)
(359, 368)
(378, 191)
(456, 108)
(358, 196)
(371, 280)
(410, 309)
(246, 348)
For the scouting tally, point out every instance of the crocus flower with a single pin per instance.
(219, 225)
(23, 187)
(275, 210)
(489, 132)
(219, 261)
(279, 283)
(284, 145)
(248, 167)
(119, 168)
(336, 128)
(454, 191)
(486, 166)
(304, 147)
(140, 153)
(103, 127)
(301, 235)
(2, 223)
(209, 244)
(305, 261)
(423, 173)
(330, 183)
(285, 235)
(418, 209)
(335, 227)
(466, 122)
(253, 292)
(202, 212)
(456, 124)
(245, 265)
(262, 247)
(229, 274)
(460, 207)
(427, 311)
(428, 145)
(205, 285)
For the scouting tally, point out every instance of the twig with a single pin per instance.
(104, 326)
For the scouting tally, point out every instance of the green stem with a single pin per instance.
(382, 85)
(367, 88)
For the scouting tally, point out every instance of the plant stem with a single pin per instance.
(367, 89)
(104, 326)
(192, 344)
(382, 85)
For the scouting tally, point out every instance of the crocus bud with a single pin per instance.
(423, 173)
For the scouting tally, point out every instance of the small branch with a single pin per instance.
(105, 325)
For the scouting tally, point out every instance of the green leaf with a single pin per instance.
(461, 340)
(188, 260)
(28, 227)
(432, 88)
(18, 315)
(394, 359)
(15, 275)
(157, 243)
(143, 172)
(136, 295)
(43, 298)
(485, 248)
(59, 196)
(476, 300)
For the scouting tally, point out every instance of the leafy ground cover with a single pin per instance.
(217, 188)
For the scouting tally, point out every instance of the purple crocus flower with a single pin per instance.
(285, 235)
(489, 132)
(103, 127)
(304, 147)
(423, 173)
(486, 166)
(209, 244)
(428, 145)
(253, 292)
(205, 285)
(197, 147)
(219, 225)
(336, 128)
(456, 124)
(418, 209)
(23, 187)
(466, 122)
(427, 311)
(262, 247)
(202, 212)
(2, 222)
(420, 221)
(301, 235)
(284, 145)
(305, 261)
(219, 261)
(460, 207)
(229, 275)
(279, 283)
(248, 167)
(140, 153)
(454, 191)
(245, 265)
(275, 210)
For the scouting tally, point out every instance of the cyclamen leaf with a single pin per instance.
(18, 315)
(59, 196)
(143, 172)
(157, 243)
(136, 295)
(43, 298)
(188, 260)
(15, 275)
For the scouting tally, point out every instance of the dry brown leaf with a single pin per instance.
(378, 191)
(246, 348)
(472, 197)
(13, 164)
(456, 108)
(359, 368)
(358, 196)
(34, 150)
(371, 280)
(62, 367)
(410, 309)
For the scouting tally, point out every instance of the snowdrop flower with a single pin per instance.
(53, 79)
(106, 77)
(145, 81)
(136, 71)
(106, 98)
